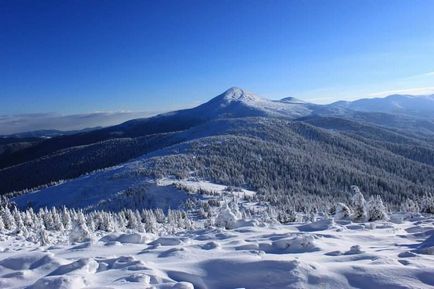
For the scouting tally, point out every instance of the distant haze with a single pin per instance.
(10, 124)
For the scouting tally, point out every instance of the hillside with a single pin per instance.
(276, 157)
(69, 156)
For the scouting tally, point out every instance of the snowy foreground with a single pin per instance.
(322, 254)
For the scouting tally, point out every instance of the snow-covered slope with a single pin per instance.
(319, 255)
(237, 102)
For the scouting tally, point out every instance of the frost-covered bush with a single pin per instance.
(427, 204)
(226, 218)
(376, 209)
(342, 212)
(287, 216)
(409, 206)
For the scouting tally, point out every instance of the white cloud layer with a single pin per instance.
(10, 124)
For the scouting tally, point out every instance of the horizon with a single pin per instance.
(34, 122)
(172, 55)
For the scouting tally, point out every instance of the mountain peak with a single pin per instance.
(291, 100)
(239, 94)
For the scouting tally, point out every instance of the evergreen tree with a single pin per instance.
(80, 231)
(376, 209)
(410, 206)
(43, 236)
(358, 204)
(8, 219)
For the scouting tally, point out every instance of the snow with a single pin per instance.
(108, 189)
(226, 218)
(105, 190)
(322, 254)
(129, 238)
(240, 102)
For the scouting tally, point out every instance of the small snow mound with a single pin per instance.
(133, 238)
(298, 244)
(58, 282)
(406, 254)
(354, 250)
(25, 261)
(210, 246)
(45, 262)
(86, 265)
(320, 225)
(82, 246)
(173, 252)
(427, 246)
(116, 239)
(112, 243)
(166, 241)
(109, 238)
(183, 285)
(138, 278)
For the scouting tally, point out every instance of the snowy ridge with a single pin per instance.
(238, 102)
(238, 94)
(418, 106)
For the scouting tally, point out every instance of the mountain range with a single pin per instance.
(417, 106)
(287, 146)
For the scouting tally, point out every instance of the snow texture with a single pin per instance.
(322, 254)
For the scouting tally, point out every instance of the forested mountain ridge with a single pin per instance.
(386, 155)
(277, 157)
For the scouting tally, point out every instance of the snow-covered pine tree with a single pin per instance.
(108, 223)
(29, 219)
(133, 223)
(66, 218)
(16, 214)
(409, 206)
(287, 215)
(376, 209)
(47, 218)
(2, 225)
(43, 236)
(427, 204)
(140, 227)
(359, 205)
(159, 215)
(8, 219)
(21, 229)
(121, 220)
(80, 231)
(150, 221)
(57, 221)
(91, 224)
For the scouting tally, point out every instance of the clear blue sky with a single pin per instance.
(85, 56)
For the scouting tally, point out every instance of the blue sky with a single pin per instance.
(86, 56)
